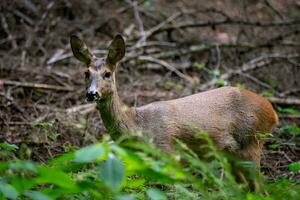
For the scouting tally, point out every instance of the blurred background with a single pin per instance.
(174, 48)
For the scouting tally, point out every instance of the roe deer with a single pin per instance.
(231, 116)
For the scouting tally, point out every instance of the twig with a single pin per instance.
(18, 123)
(158, 27)
(259, 82)
(218, 57)
(206, 47)
(24, 17)
(34, 85)
(82, 109)
(6, 96)
(200, 48)
(282, 153)
(289, 116)
(45, 14)
(113, 16)
(152, 44)
(293, 63)
(251, 65)
(166, 65)
(226, 21)
(291, 91)
(240, 70)
(287, 101)
(273, 9)
(10, 37)
(47, 108)
(142, 40)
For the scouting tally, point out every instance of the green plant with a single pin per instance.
(133, 170)
(288, 110)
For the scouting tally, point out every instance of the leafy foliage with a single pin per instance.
(134, 170)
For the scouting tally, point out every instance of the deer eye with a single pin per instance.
(106, 75)
(87, 75)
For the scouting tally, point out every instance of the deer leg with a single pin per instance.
(250, 174)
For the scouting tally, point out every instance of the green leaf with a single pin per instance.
(251, 196)
(216, 72)
(63, 159)
(240, 85)
(112, 172)
(8, 191)
(42, 124)
(157, 176)
(221, 82)
(291, 128)
(155, 194)
(132, 160)
(168, 85)
(199, 66)
(22, 184)
(267, 94)
(135, 183)
(294, 167)
(275, 146)
(3, 166)
(124, 197)
(56, 177)
(23, 166)
(56, 193)
(37, 195)
(8, 147)
(292, 111)
(183, 193)
(90, 154)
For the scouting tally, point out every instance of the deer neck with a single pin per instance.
(118, 118)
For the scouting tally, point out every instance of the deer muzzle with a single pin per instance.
(92, 96)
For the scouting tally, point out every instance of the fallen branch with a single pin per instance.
(158, 27)
(287, 101)
(199, 48)
(4, 82)
(226, 21)
(166, 65)
(82, 109)
(18, 123)
(206, 47)
(288, 92)
(289, 116)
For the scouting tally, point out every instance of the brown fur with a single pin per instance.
(233, 117)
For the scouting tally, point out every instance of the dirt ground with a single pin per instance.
(174, 48)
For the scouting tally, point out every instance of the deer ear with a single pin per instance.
(80, 50)
(116, 50)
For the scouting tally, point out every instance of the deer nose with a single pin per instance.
(91, 96)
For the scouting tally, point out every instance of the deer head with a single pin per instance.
(100, 71)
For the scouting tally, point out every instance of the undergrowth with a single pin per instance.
(132, 170)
